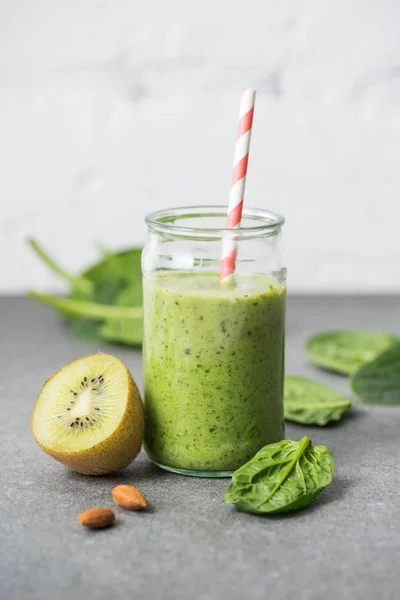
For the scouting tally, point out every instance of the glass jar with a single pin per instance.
(213, 350)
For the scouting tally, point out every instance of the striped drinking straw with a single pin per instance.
(235, 206)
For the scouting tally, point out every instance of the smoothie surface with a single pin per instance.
(210, 283)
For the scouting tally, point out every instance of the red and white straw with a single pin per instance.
(235, 207)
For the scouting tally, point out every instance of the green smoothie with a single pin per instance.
(213, 368)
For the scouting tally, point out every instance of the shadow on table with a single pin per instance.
(337, 490)
(339, 487)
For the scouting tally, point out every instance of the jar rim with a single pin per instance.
(167, 221)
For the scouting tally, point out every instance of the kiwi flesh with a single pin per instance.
(89, 416)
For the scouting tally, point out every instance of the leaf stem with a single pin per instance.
(303, 445)
(79, 283)
(83, 308)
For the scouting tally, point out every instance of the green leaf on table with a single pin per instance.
(106, 291)
(378, 382)
(346, 351)
(86, 329)
(131, 295)
(73, 307)
(118, 281)
(125, 264)
(130, 331)
(311, 403)
(105, 301)
(281, 477)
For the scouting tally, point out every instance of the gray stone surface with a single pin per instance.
(189, 545)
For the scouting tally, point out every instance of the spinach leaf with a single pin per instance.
(85, 328)
(311, 403)
(105, 301)
(70, 307)
(281, 477)
(130, 331)
(345, 351)
(111, 330)
(107, 290)
(378, 382)
(104, 293)
(118, 331)
(118, 281)
(125, 264)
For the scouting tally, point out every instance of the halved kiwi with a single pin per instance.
(89, 416)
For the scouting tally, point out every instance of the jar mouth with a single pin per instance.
(190, 221)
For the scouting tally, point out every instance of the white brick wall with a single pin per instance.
(112, 108)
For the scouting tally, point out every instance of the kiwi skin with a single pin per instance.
(115, 452)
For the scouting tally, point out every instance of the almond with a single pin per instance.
(128, 497)
(97, 517)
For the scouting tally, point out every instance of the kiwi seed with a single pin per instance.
(95, 387)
